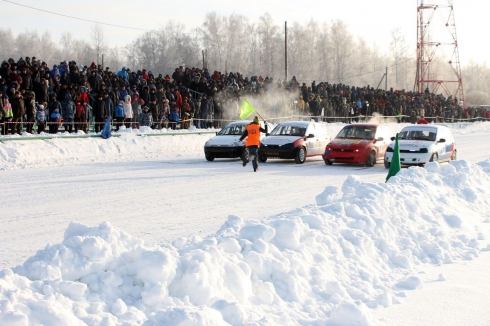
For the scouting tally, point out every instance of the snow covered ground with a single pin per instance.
(143, 231)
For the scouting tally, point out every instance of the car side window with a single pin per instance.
(311, 129)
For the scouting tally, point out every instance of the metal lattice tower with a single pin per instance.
(429, 29)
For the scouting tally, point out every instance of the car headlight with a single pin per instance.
(389, 149)
(206, 144)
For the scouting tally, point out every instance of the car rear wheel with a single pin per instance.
(434, 157)
(263, 158)
(209, 157)
(327, 161)
(371, 160)
(454, 156)
(244, 156)
(300, 156)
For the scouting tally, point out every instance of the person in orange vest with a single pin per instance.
(252, 143)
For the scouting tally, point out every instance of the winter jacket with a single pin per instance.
(174, 113)
(53, 105)
(55, 117)
(68, 109)
(119, 111)
(99, 110)
(80, 111)
(127, 107)
(109, 106)
(146, 119)
(41, 115)
(7, 108)
(18, 107)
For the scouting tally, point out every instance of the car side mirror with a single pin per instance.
(380, 139)
(442, 140)
(392, 138)
(310, 136)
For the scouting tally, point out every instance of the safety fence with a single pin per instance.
(17, 127)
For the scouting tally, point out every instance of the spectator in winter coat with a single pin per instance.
(119, 114)
(127, 111)
(18, 110)
(174, 115)
(85, 118)
(422, 121)
(100, 113)
(79, 114)
(136, 104)
(68, 113)
(41, 118)
(8, 116)
(109, 105)
(123, 73)
(164, 110)
(54, 121)
(205, 110)
(146, 119)
(30, 107)
(83, 94)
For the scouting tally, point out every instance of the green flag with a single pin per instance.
(395, 165)
(246, 109)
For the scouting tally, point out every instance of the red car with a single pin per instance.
(362, 143)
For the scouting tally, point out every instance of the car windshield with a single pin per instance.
(232, 130)
(427, 135)
(357, 132)
(288, 130)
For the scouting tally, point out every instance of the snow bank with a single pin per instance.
(129, 147)
(361, 247)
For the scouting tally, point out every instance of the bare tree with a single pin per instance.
(398, 50)
(99, 42)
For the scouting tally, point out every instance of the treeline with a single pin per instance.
(316, 51)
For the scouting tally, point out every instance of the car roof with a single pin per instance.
(296, 123)
(423, 127)
(238, 123)
(363, 125)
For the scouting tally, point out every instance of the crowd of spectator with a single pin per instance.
(77, 97)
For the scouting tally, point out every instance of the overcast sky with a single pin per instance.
(372, 20)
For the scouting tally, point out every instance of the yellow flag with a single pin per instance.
(246, 109)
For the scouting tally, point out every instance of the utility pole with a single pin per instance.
(285, 51)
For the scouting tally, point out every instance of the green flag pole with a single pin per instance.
(395, 164)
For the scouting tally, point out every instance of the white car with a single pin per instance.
(294, 140)
(226, 143)
(419, 144)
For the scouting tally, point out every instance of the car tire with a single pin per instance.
(371, 160)
(263, 158)
(434, 157)
(454, 157)
(327, 161)
(300, 156)
(209, 157)
(244, 155)
(387, 164)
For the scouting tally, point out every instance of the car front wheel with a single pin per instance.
(371, 160)
(263, 158)
(300, 156)
(327, 161)
(209, 157)
(387, 164)
(434, 158)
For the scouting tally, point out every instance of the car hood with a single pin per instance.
(279, 140)
(410, 144)
(223, 140)
(351, 143)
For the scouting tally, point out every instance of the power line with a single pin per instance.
(77, 18)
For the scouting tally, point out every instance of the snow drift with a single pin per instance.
(359, 248)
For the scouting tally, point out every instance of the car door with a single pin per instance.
(312, 142)
(382, 132)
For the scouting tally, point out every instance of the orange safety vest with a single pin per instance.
(253, 138)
